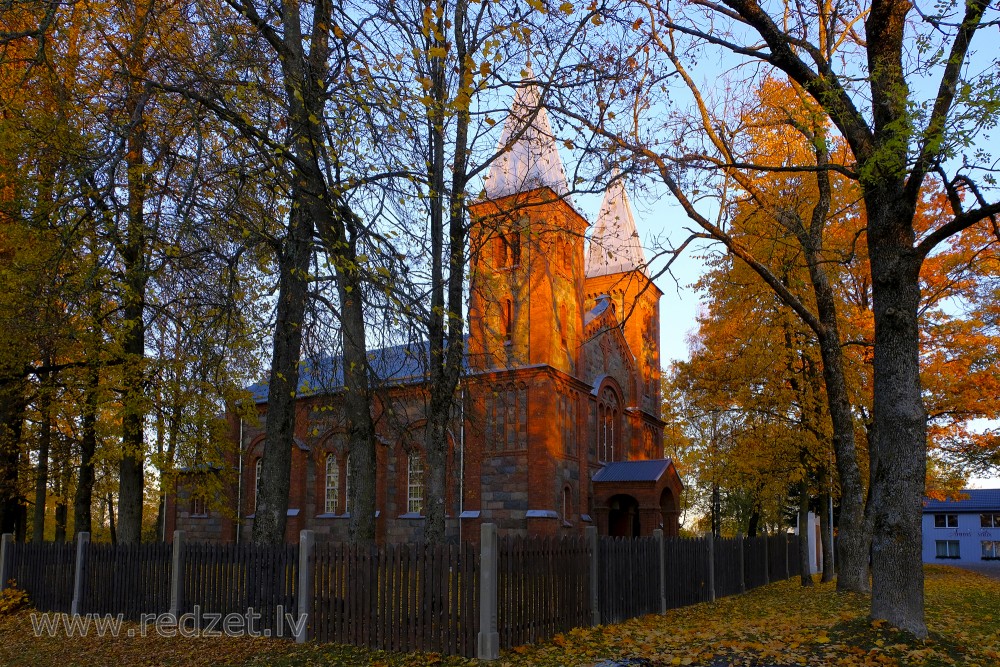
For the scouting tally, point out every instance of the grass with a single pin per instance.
(781, 624)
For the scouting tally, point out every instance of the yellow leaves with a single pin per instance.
(12, 599)
(566, 8)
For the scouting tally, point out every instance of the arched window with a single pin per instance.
(415, 483)
(256, 482)
(508, 320)
(332, 484)
(609, 443)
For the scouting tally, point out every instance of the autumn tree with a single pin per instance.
(854, 63)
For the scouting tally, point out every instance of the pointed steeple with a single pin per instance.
(615, 245)
(529, 156)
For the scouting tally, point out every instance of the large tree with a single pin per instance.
(855, 63)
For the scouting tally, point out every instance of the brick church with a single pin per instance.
(557, 422)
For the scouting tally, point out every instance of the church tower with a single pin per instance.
(527, 240)
(616, 267)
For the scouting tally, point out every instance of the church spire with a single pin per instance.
(614, 245)
(528, 157)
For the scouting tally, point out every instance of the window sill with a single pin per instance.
(948, 557)
(411, 516)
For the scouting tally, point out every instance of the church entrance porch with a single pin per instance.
(633, 498)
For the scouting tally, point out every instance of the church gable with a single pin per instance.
(606, 352)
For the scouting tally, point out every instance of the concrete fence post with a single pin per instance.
(79, 575)
(743, 563)
(6, 559)
(658, 534)
(177, 575)
(711, 567)
(307, 543)
(592, 543)
(489, 637)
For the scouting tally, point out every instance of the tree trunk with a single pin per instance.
(805, 575)
(899, 449)
(44, 445)
(131, 473)
(853, 546)
(11, 423)
(446, 343)
(273, 486)
(83, 500)
(111, 519)
(825, 522)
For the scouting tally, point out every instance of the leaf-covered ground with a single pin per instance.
(782, 624)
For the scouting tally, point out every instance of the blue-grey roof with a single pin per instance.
(632, 471)
(975, 500)
(394, 365)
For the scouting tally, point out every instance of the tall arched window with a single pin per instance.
(332, 484)
(415, 483)
(256, 482)
(609, 443)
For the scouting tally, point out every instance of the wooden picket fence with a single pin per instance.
(686, 561)
(728, 559)
(397, 597)
(46, 572)
(127, 579)
(755, 569)
(231, 578)
(543, 588)
(404, 597)
(629, 577)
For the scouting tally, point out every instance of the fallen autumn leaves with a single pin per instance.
(781, 624)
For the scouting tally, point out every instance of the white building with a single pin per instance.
(966, 530)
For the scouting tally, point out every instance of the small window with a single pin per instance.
(947, 549)
(415, 483)
(991, 550)
(198, 505)
(567, 505)
(989, 520)
(946, 521)
(332, 484)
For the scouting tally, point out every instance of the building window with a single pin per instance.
(256, 482)
(508, 250)
(415, 483)
(947, 549)
(332, 484)
(567, 418)
(946, 521)
(508, 320)
(347, 484)
(198, 505)
(507, 417)
(609, 443)
(989, 521)
(991, 550)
